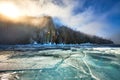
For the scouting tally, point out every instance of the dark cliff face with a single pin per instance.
(41, 30)
(27, 30)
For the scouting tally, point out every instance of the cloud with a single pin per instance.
(87, 21)
(62, 9)
(116, 37)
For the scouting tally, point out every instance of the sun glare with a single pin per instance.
(9, 10)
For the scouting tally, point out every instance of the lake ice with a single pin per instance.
(56, 63)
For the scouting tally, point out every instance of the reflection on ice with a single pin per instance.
(73, 63)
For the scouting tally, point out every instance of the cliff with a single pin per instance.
(26, 30)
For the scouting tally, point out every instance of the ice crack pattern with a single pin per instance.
(74, 63)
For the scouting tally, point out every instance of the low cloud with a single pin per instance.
(86, 21)
(116, 38)
(62, 9)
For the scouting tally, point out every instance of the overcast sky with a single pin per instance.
(95, 17)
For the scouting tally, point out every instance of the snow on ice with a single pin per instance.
(71, 63)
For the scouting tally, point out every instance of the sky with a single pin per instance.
(94, 17)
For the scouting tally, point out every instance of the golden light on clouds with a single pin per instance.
(9, 9)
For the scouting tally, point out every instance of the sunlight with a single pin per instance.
(9, 10)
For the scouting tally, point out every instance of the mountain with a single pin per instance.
(27, 29)
(68, 36)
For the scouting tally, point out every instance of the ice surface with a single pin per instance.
(56, 63)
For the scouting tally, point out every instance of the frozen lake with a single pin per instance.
(61, 62)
